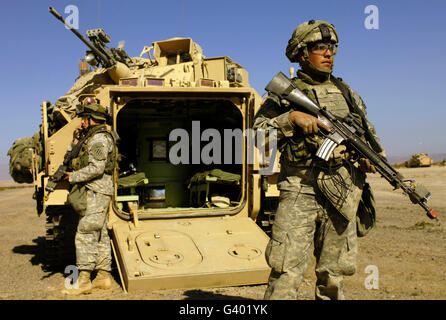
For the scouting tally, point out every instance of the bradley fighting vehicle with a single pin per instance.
(174, 224)
(419, 160)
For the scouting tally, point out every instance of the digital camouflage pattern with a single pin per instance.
(305, 33)
(274, 114)
(302, 217)
(99, 148)
(92, 241)
(344, 195)
(305, 215)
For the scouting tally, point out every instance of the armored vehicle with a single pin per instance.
(419, 160)
(189, 207)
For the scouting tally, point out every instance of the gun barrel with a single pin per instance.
(101, 56)
(56, 14)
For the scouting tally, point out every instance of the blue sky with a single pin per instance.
(399, 69)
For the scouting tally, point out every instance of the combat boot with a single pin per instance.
(102, 280)
(84, 285)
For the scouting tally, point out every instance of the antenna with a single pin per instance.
(182, 17)
(99, 13)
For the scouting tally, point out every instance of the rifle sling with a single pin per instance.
(354, 108)
(77, 148)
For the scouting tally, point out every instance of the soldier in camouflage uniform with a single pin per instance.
(93, 169)
(318, 200)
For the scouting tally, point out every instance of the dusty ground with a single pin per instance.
(408, 250)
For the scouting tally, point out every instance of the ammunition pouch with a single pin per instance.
(77, 198)
(366, 215)
(300, 151)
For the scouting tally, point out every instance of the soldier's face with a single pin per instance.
(84, 122)
(321, 59)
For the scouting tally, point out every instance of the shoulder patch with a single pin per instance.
(98, 151)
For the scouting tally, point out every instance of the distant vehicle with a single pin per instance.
(419, 160)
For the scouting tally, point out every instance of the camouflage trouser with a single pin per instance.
(92, 241)
(302, 218)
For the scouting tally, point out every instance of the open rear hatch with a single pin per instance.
(191, 253)
(187, 221)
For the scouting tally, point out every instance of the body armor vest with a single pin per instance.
(82, 159)
(300, 149)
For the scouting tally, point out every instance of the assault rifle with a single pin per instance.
(348, 131)
(66, 164)
(99, 53)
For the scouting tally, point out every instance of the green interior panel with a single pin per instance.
(144, 127)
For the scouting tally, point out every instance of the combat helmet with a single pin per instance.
(94, 110)
(306, 33)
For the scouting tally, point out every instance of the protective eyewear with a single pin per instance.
(322, 47)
